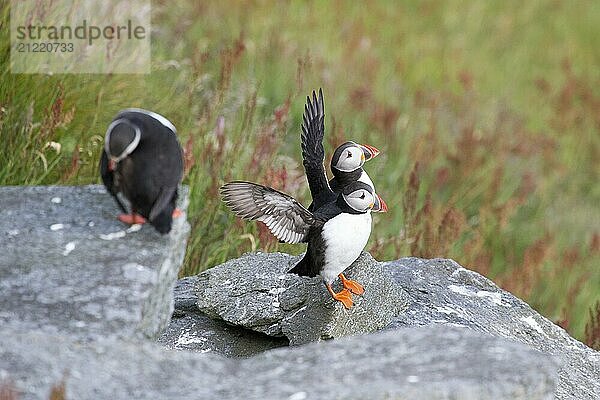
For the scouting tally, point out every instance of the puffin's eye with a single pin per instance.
(362, 196)
(349, 154)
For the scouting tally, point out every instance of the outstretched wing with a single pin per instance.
(287, 219)
(313, 153)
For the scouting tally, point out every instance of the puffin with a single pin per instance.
(143, 160)
(336, 232)
(346, 162)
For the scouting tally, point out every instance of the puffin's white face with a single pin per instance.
(351, 158)
(360, 200)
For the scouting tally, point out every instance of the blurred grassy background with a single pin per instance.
(487, 115)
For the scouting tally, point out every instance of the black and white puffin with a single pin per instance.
(346, 163)
(336, 232)
(143, 160)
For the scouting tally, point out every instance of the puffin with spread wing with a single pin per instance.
(336, 233)
(337, 225)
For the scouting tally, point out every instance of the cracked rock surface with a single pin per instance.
(256, 292)
(414, 363)
(444, 293)
(68, 266)
(80, 295)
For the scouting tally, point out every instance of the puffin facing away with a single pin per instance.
(143, 160)
(346, 163)
(336, 232)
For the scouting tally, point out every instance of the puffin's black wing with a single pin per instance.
(108, 180)
(165, 197)
(287, 219)
(313, 153)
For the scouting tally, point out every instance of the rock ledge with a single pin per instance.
(256, 292)
(68, 266)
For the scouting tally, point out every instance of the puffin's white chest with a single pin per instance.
(345, 236)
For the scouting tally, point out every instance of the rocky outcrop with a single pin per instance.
(443, 296)
(414, 363)
(193, 330)
(80, 295)
(197, 332)
(68, 266)
(256, 292)
(444, 293)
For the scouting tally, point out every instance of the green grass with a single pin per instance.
(493, 109)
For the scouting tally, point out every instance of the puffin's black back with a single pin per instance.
(150, 175)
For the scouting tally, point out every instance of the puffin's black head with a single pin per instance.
(122, 137)
(350, 156)
(361, 198)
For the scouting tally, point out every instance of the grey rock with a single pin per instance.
(194, 331)
(79, 296)
(68, 266)
(256, 292)
(184, 294)
(444, 293)
(438, 363)
(428, 363)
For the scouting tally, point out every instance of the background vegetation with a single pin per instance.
(487, 113)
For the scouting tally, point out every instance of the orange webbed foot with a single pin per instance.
(345, 297)
(132, 219)
(177, 213)
(351, 285)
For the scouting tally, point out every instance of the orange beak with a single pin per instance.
(380, 205)
(369, 151)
